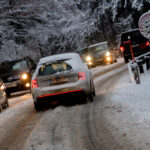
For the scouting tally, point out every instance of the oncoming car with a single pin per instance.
(97, 54)
(16, 74)
(62, 75)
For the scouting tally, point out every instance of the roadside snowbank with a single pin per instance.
(128, 111)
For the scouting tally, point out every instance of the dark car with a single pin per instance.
(3, 97)
(98, 54)
(140, 44)
(17, 74)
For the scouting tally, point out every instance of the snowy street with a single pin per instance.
(117, 119)
(74, 75)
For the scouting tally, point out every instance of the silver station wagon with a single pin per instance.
(63, 76)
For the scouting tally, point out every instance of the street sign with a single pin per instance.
(144, 25)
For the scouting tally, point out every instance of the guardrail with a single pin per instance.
(140, 66)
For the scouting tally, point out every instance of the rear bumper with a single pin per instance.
(127, 53)
(61, 90)
(62, 93)
(70, 96)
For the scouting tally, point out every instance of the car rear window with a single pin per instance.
(136, 36)
(53, 68)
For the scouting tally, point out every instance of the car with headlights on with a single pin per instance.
(3, 97)
(98, 54)
(61, 77)
(17, 74)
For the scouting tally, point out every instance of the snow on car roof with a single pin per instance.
(58, 57)
(137, 29)
(97, 44)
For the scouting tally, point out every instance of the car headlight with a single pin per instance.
(90, 63)
(107, 53)
(108, 59)
(27, 84)
(24, 76)
(2, 87)
(88, 58)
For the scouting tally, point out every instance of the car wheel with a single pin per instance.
(112, 62)
(93, 88)
(8, 93)
(126, 59)
(37, 106)
(7, 104)
(115, 60)
(91, 97)
(1, 108)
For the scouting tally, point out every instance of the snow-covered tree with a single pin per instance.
(46, 27)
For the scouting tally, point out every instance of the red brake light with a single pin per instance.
(35, 83)
(121, 48)
(81, 76)
(147, 43)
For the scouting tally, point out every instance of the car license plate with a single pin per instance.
(12, 84)
(58, 80)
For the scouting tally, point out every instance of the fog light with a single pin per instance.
(27, 84)
(108, 58)
(90, 63)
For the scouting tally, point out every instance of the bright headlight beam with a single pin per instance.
(108, 58)
(27, 84)
(107, 53)
(88, 58)
(2, 87)
(90, 63)
(24, 76)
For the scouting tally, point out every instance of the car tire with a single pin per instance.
(91, 97)
(115, 60)
(1, 108)
(6, 104)
(112, 62)
(8, 93)
(37, 106)
(126, 60)
(93, 88)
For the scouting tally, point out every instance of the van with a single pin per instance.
(140, 44)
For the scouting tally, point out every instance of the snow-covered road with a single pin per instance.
(117, 119)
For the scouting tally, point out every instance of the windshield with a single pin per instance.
(14, 67)
(135, 36)
(99, 48)
(53, 68)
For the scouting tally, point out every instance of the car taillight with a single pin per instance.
(121, 48)
(147, 43)
(81, 76)
(35, 83)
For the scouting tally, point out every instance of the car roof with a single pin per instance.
(101, 43)
(130, 31)
(14, 61)
(59, 57)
